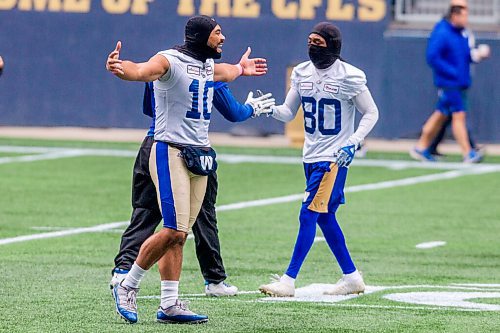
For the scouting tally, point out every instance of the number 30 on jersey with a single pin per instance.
(316, 112)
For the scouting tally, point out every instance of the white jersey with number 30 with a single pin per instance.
(183, 99)
(327, 100)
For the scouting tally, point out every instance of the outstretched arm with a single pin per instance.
(233, 110)
(228, 106)
(148, 71)
(246, 67)
(288, 110)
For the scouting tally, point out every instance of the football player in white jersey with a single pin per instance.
(183, 85)
(329, 90)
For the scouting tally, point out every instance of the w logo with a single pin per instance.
(207, 162)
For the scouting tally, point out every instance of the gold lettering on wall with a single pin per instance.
(246, 8)
(337, 10)
(207, 7)
(40, 5)
(308, 8)
(116, 6)
(185, 8)
(282, 9)
(76, 6)
(7, 4)
(371, 10)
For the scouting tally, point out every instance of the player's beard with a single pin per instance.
(199, 52)
(322, 57)
(212, 53)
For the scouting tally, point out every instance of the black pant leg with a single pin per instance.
(207, 238)
(146, 214)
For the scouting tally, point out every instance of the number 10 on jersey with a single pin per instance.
(195, 112)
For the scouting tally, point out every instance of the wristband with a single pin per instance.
(240, 68)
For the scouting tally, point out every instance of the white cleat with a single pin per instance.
(220, 289)
(349, 284)
(118, 276)
(277, 288)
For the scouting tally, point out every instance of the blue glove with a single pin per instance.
(345, 155)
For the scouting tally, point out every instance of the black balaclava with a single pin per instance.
(324, 57)
(197, 31)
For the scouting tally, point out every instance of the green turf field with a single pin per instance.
(60, 284)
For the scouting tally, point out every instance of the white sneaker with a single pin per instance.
(118, 276)
(277, 288)
(349, 284)
(220, 289)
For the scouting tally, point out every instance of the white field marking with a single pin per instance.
(260, 202)
(51, 228)
(456, 299)
(366, 187)
(62, 233)
(430, 245)
(254, 203)
(479, 285)
(398, 307)
(203, 297)
(390, 164)
(46, 156)
(318, 239)
(118, 231)
(271, 201)
(251, 292)
(235, 158)
(448, 299)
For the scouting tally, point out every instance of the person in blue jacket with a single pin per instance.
(450, 55)
(146, 213)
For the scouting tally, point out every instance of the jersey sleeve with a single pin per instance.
(294, 80)
(171, 70)
(354, 82)
(228, 106)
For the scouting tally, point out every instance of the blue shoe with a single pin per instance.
(422, 155)
(125, 302)
(179, 314)
(474, 156)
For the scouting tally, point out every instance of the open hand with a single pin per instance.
(254, 66)
(114, 64)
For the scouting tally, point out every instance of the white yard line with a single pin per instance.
(40, 157)
(97, 228)
(53, 153)
(430, 245)
(440, 298)
(236, 158)
(318, 239)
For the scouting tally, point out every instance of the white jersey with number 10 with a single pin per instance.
(183, 99)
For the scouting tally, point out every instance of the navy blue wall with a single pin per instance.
(55, 73)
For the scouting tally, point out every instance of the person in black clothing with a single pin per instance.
(146, 214)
